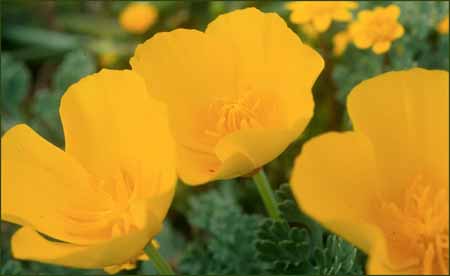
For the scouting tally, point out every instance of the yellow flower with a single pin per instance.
(138, 17)
(443, 26)
(384, 186)
(377, 28)
(321, 13)
(340, 42)
(106, 195)
(238, 94)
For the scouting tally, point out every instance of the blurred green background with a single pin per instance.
(219, 228)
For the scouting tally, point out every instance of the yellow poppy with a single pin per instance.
(384, 186)
(238, 94)
(377, 28)
(138, 17)
(106, 195)
(320, 13)
(442, 27)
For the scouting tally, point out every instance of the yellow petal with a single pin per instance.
(196, 167)
(111, 125)
(247, 150)
(342, 15)
(399, 31)
(300, 16)
(339, 169)
(39, 181)
(269, 57)
(321, 23)
(27, 244)
(381, 47)
(393, 11)
(184, 66)
(405, 115)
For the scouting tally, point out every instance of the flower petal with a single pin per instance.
(39, 181)
(398, 32)
(268, 57)
(339, 169)
(250, 148)
(111, 125)
(381, 47)
(405, 116)
(184, 66)
(393, 11)
(321, 23)
(27, 244)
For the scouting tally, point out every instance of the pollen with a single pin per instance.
(421, 219)
(232, 116)
(117, 219)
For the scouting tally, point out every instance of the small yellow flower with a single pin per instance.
(138, 17)
(340, 42)
(443, 26)
(106, 195)
(377, 28)
(321, 13)
(384, 186)
(238, 94)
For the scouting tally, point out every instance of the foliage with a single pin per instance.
(224, 243)
(298, 245)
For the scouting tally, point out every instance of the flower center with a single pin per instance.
(115, 218)
(232, 116)
(421, 220)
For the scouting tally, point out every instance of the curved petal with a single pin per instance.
(322, 23)
(269, 57)
(196, 167)
(112, 126)
(381, 47)
(339, 169)
(184, 66)
(27, 244)
(251, 148)
(405, 115)
(39, 181)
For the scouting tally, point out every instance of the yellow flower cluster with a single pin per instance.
(377, 28)
(220, 104)
(320, 14)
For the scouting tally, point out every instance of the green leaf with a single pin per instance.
(75, 65)
(46, 120)
(225, 237)
(15, 82)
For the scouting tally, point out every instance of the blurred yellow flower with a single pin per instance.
(443, 26)
(138, 17)
(377, 28)
(309, 30)
(384, 186)
(321, 13)
(105, 197)
(238, 94)
(340, 42)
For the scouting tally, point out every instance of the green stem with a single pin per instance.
(267, 194)
(160, 264)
